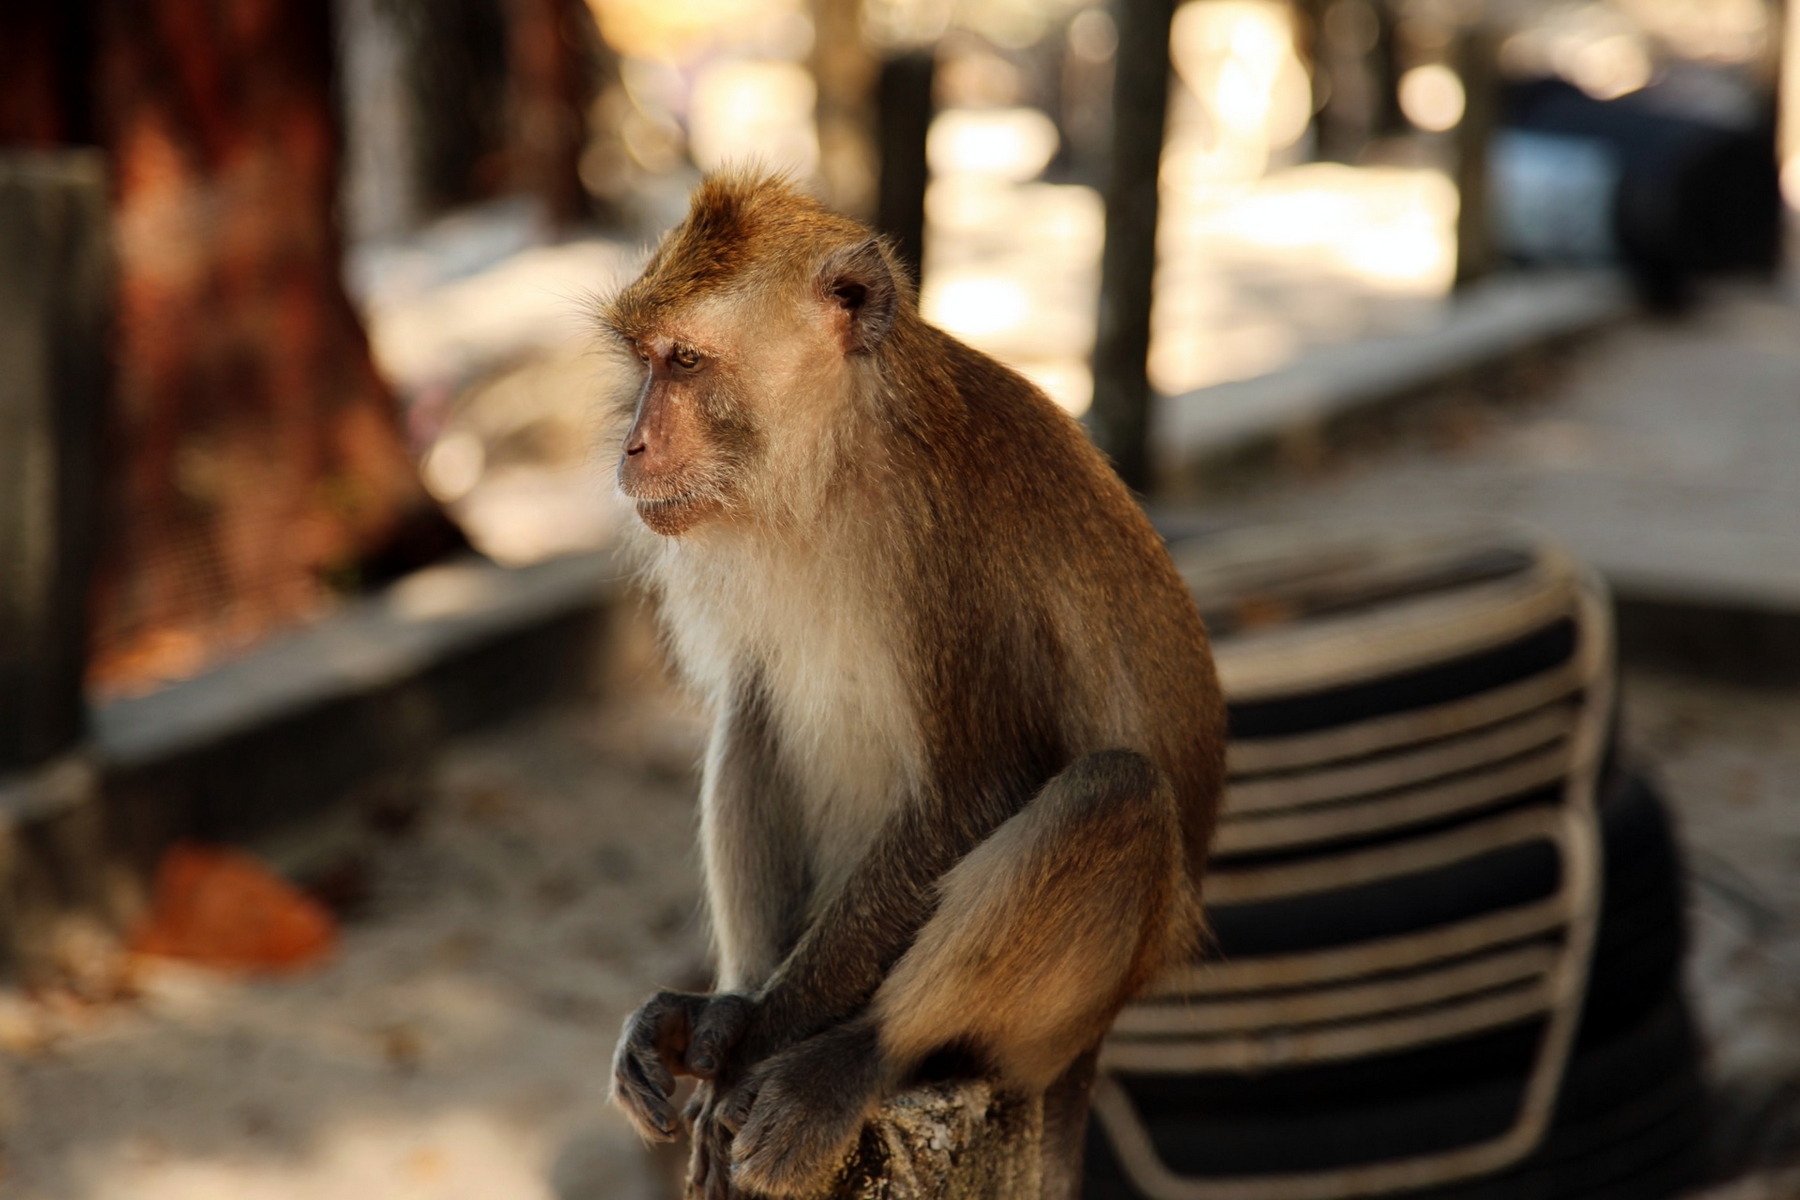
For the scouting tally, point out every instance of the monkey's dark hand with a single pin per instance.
(795, 1117)
(673, 1033)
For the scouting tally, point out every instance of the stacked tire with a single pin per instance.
(1445, 920)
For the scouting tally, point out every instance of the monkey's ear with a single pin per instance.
(859, 284)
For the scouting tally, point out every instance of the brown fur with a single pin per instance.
(969, 744)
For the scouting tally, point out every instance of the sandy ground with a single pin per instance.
(1728, 759)
(457, 1045)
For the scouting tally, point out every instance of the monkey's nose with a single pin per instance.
(638, 448)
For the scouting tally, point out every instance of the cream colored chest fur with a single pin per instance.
(820, 638)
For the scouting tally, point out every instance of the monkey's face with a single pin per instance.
(692, 437)
(753, 324)
(739, 399)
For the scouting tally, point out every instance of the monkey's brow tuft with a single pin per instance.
(736, 222)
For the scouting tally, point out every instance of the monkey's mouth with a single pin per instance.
(670, 515)
(649, 506)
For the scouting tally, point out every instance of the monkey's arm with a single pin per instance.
(843, 956)
(751, 840)
(757, 886)
(1037, 936)
(831, 973)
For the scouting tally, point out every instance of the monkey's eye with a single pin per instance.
(685, 357)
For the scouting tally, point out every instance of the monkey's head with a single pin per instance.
(756, 326)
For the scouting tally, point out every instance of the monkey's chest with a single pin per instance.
(847, 741)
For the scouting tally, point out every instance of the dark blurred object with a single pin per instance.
(1447, 928)
(456, 64)
(254, 456)
(46, 89)
(1477, 62)
(903, 119)
(1120, 416)
(555, 52)
(221, 908)
(1091, 45)
(499, 92)
(1353, 52)
(1692, 195)
(1630, 1122)
(55, 310)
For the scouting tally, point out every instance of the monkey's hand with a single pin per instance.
(674, 1033)
(795, 1117)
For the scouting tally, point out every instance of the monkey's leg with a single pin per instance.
(1040, 934)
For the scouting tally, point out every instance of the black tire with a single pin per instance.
(1637, 958)
(1532, 653)
(1642, 933)
(1630, 1112)
(1641, 893)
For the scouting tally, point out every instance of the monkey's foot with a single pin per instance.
(709, 1165)
(799, 1113)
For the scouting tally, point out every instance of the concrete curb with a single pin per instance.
(346, 710)
(1494, 320)
(431, 616)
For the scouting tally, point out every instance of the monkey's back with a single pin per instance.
(1046, 610)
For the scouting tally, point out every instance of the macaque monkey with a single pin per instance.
(967, 741)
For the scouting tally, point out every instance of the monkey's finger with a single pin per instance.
(699, 1166)
(651, 1069)
(719, 1026)
(734, 1110)
(651, 1119)
(712, 1166)
(646, 1104)
(696, 1107)
(642, 1067)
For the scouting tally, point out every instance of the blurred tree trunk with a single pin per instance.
(456, 54)
(254, 456)
(553, 50)
(1120, 416)
(500, 91)
(845, 70)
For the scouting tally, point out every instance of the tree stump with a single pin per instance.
(961, 1141)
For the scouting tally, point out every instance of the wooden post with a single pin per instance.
(55, 373)
(1477, 65)
(903, 120)
(54, 311)
(845, 71)
(1120, 417)
(551, 80)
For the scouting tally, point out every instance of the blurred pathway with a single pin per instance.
(1669, 457)
(1728, 759)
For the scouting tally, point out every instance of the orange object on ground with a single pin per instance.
(223, 908)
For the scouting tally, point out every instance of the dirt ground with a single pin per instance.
(457, 1045)
(1728, 759)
